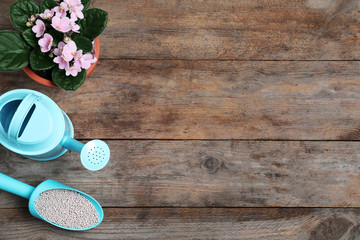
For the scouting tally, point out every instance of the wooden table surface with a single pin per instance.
(231, 119)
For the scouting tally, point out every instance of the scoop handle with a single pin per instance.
(14, 186)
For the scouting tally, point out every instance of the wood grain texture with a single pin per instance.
(205, 174)
(170, 73)
(199, 224)
(228, 29)
(150, 99)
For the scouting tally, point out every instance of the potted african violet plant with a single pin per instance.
(57, 43)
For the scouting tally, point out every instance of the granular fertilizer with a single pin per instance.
(66, 208)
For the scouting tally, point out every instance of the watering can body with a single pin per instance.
(31, 124)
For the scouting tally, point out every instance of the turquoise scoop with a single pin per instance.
(31, 124)
(32, 193)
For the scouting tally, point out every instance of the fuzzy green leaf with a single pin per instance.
(94, 23)
(30, 38)
(40, 60)
(14, 51)
(48, 4)
(83, 43)
(68, 83)
(86, 3)
(21, 11)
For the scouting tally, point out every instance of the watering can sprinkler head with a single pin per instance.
(94, 155)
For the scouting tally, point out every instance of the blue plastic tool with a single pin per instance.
(29, 192)
(31, 124)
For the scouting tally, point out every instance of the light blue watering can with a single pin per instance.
(31, 124)
(29, 192)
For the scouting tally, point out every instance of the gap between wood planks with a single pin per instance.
(226, 60)
(220, 140)
(184, 223)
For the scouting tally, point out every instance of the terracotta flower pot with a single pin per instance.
(50, 83)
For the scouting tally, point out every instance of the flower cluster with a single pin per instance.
(54, 38)
(67, 53)
(62, 18)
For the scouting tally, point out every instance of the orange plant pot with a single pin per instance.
(50, 83)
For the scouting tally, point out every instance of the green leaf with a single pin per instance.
(14, 51)
(21, 11)
(30, 38)
(48, 4)
(94, 23)
(57, 36)
(40, 60)
(69, 83)
(86, 4)
(83, 43)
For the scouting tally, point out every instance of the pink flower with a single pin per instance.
(39, 28)
(78, 55)
(73, 70)
(69, 3)
(59, 49)
(46, 42)
(64, 5)
(74, 27)
(69, 51)
(86, 60)
(61, 10)
(61, 24)
(72, 3)
(76, 12)
(62, 63)
(48, 14)
(75, 7)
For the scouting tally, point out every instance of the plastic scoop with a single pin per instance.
(29, 192)
(94, 155)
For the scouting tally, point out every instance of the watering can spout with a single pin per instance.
(72, 144)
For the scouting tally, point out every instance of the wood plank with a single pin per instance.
(211, 100)
(205, 174)
(193, 223)
(228, 29)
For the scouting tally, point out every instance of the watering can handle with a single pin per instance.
(14, 186)
(20, 115)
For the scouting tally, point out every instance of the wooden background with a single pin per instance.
(232, 119)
